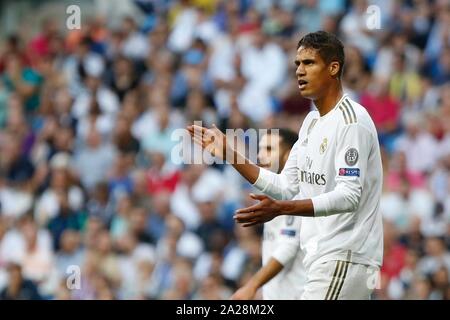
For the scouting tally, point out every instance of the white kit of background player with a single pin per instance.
(281, 241)
(282, 275)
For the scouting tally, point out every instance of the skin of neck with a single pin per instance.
(330, 97)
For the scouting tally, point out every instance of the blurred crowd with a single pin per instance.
(93, 205)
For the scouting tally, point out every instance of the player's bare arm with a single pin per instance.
(264, 275)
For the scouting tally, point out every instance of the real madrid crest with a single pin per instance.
(323, 146)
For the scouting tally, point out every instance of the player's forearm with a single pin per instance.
(303, 208)
(266, 273)
(244, 166)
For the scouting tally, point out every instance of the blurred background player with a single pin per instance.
(282, 275)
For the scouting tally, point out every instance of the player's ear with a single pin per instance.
(334, 68)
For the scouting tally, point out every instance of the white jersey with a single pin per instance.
(337, 164)
(282, 241)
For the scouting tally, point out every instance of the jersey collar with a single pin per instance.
(334, 108)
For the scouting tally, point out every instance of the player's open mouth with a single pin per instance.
(302, 84)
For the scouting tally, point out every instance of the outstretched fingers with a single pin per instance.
(252, 208)
(199, 141)
(194, 129)
(247, 217)
(251, 224)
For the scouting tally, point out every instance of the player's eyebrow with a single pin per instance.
(304, 61)
(308, 61)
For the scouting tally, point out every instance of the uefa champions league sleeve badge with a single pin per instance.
(351, 157)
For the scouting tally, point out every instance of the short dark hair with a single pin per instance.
(330, 48)
(287, 136)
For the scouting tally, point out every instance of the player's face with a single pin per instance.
(312, 73)
(269, 154)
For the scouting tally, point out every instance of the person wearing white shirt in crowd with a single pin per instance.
(415, 143)
(265, 55)
(49, 203)
(93, 90)
(355, 28)
(184, 27)
(196, 180)
(135, 45)
(225, 50)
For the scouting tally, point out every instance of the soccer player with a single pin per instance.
(282, 276)
(332, 178)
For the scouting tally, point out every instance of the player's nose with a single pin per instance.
(300, 71)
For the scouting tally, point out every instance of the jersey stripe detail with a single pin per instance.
(333, 281)
(341, 284)
(311, 126)
(351, 109)
(348, 112)
(345, 116)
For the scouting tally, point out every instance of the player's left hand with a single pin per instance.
(265, 210)
(247, 292)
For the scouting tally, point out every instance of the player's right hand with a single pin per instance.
(212, 140)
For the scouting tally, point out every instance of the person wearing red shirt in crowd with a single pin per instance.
(384, 110)
(161, 177)
(394, 253)
(399, 172)
(40, 46)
